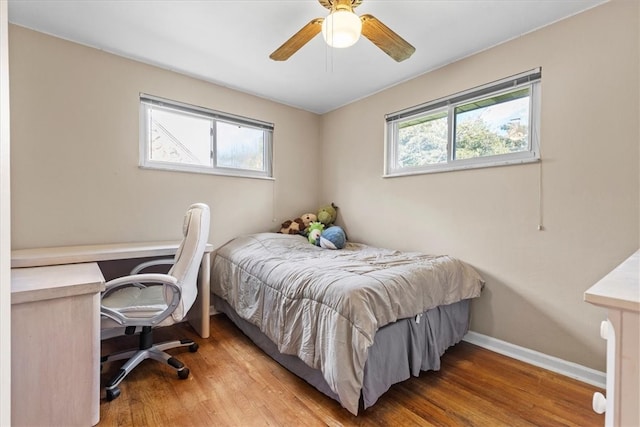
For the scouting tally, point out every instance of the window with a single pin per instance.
(176, 136)
(495, 124)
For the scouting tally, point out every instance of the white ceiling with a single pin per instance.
(229, 42)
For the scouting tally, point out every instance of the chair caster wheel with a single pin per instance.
(194, 347)
(113, 394)
(183, 374)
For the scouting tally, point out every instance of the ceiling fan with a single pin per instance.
(342, 28)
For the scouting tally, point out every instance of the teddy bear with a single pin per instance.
(327, 214)
(298, 225)
(308, 218)
(333, 238)
(292, 226)
(315, 230)
(329, 238)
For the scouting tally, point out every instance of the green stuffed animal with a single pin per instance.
(327, 214)
(315, 230)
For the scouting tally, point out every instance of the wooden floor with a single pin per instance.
(233, 383)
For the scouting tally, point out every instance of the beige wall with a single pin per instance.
(75, 175)
(489, 217)
(75, 179)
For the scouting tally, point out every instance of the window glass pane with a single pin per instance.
(422, 141)
(179, 138)
(492, 126)
(239, 147)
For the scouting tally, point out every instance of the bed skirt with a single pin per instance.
(400, 349)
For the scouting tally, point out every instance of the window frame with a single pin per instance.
(530, 79)
(147, 102)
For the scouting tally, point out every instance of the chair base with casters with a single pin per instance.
(146, 350)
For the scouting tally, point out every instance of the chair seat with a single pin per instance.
(136, 302)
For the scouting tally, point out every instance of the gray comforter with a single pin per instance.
(325, 306)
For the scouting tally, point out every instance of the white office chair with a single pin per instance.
(144, 301)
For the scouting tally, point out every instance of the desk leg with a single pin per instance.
(198, 317)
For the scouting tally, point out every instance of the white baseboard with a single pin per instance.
(551, 363)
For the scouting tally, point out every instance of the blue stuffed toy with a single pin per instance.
(332, 238)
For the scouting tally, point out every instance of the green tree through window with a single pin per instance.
(488, 126)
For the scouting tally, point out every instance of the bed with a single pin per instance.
(351, 322)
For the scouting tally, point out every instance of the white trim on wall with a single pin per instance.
(532, 357)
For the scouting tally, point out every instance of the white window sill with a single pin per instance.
(456, 167)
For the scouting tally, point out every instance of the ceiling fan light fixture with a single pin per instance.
(342, 28)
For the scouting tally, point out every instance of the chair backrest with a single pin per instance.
(189, 255)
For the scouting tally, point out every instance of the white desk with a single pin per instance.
(55, 345)
(198, 316)
(619, 292)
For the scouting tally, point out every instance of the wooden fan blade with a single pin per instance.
(298, 40)
(383, 37)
